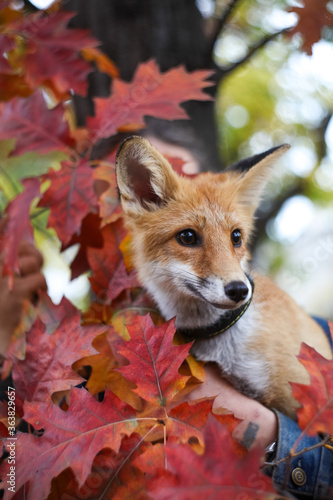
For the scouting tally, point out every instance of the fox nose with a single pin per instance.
(236, 291)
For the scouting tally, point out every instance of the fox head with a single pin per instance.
(190, 235)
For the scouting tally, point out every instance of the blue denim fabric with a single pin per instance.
(325, 326)
(317, 464)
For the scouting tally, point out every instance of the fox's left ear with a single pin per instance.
(254, 174)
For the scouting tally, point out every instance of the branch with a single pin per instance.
(322, 443)
(222, 72)
(220, 23)
(299, 187)
(263, 218)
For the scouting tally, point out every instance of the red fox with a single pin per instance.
(189, 238)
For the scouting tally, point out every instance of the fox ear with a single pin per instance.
(145, 178)
(254, 174)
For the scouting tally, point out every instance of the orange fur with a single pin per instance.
(158, 205)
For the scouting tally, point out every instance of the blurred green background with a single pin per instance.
(285, 95)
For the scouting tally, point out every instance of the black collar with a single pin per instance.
(223, 324)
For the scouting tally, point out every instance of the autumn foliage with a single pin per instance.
(99, 394)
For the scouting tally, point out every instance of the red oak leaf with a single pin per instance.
(90, 236)
(71, 438)
(186, 422)
(150, 93)
(70, 197)
(18, 227)
(34, 126)
(51, 314)
(109, 277)
(152, 460)
(4, 424)
(120, 281)
(112, 476)
(51, 51)
(153, 356)
(218, 473)
(47, 367)
(6, 44)
(316, 414)
(109, 206)
(313, 16)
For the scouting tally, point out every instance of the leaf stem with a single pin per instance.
(38, 212)
(322, 443)
(126, 460)
(165, 455)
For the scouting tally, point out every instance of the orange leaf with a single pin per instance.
(7, 14)
(13, 86)
(125, 248)
(104, 374)
(102, 61)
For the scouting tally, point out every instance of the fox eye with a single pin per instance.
(187, 237)
(236, 238)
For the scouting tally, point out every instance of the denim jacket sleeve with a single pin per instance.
(309, 475)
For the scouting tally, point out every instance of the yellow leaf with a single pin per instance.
(125, 248)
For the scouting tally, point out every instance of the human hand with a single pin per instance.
(26, 286)
(259, 424)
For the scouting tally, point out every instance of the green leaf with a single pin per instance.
(13, 169)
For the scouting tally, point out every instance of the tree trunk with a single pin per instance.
(170, 31)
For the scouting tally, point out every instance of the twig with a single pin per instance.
(220, 23)
(222, 72)
(322, 443)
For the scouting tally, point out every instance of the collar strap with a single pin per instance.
(223, 324)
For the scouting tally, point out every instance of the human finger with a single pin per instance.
(26, 248)
(29, 285)
(3, 222)
(29, 264)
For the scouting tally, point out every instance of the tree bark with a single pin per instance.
(170, 31)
